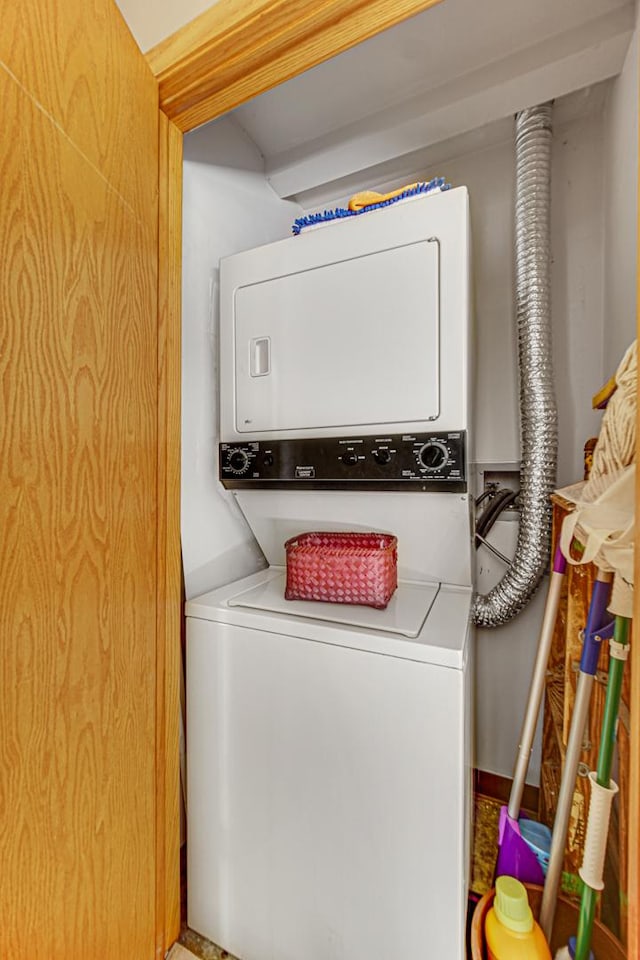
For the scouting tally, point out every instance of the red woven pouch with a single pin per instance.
(342, 568)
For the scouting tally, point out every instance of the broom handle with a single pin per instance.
(536, 689)
(588, 666)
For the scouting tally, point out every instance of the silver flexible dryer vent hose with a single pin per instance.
(538, 414)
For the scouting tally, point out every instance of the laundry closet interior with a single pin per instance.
(435, 96)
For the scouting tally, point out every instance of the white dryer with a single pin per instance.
(329, 746)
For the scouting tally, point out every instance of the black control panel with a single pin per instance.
(425, 461)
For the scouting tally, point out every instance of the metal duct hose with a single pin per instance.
(538, 414)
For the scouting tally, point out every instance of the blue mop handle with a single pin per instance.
(597, 620)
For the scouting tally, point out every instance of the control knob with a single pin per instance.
(382, 456)
(433, 455)
(350, 458)
(238, 461)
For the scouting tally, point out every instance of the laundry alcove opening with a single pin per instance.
(435, 96)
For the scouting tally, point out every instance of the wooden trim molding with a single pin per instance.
(238, 49)
(633, 922)
(169, 606)
(633, 882)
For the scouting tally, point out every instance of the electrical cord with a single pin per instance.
(494, 508)
(497, 504)
(489, 492)
(494, 550)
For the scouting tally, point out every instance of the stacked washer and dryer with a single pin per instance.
(330, 746)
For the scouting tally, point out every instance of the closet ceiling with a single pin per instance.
(443, 82)
(459, 68)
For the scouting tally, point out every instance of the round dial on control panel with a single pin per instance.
(350, 458)
(433, 455)
(382, 456)
(238, 461)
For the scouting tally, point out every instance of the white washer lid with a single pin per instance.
(443, 639)
(405, 614)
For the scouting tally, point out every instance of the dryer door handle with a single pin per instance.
(260, 354)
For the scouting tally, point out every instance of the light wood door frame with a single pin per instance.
(231, 53)
(169, 613)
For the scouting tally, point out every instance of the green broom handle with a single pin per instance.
(603, 775)
(612, 705)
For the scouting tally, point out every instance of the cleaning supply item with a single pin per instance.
(603, 790)
(511, 933)
(516, 856)
(615, 448)
(371, 198)
(537, 836)
(569, 952)
(603, 526)
(366, 201)
(599, 627)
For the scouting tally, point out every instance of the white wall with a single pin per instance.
(620, 199)
(227, 207)
(151, 21)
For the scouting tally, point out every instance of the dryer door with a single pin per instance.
(323, 348)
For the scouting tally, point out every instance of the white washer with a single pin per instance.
(329, 773)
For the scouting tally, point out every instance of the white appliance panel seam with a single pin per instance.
(439, 665)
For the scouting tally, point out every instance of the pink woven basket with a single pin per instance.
(342, 568)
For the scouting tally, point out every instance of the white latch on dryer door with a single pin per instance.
(260, 352)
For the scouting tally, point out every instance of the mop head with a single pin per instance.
(616, 446)
(366, 201)
(603, 521)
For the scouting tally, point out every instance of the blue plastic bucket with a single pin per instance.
(537, 836)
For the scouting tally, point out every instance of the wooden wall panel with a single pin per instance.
(169, 565)
(81, 64)
(633, 936)
(78, 509)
